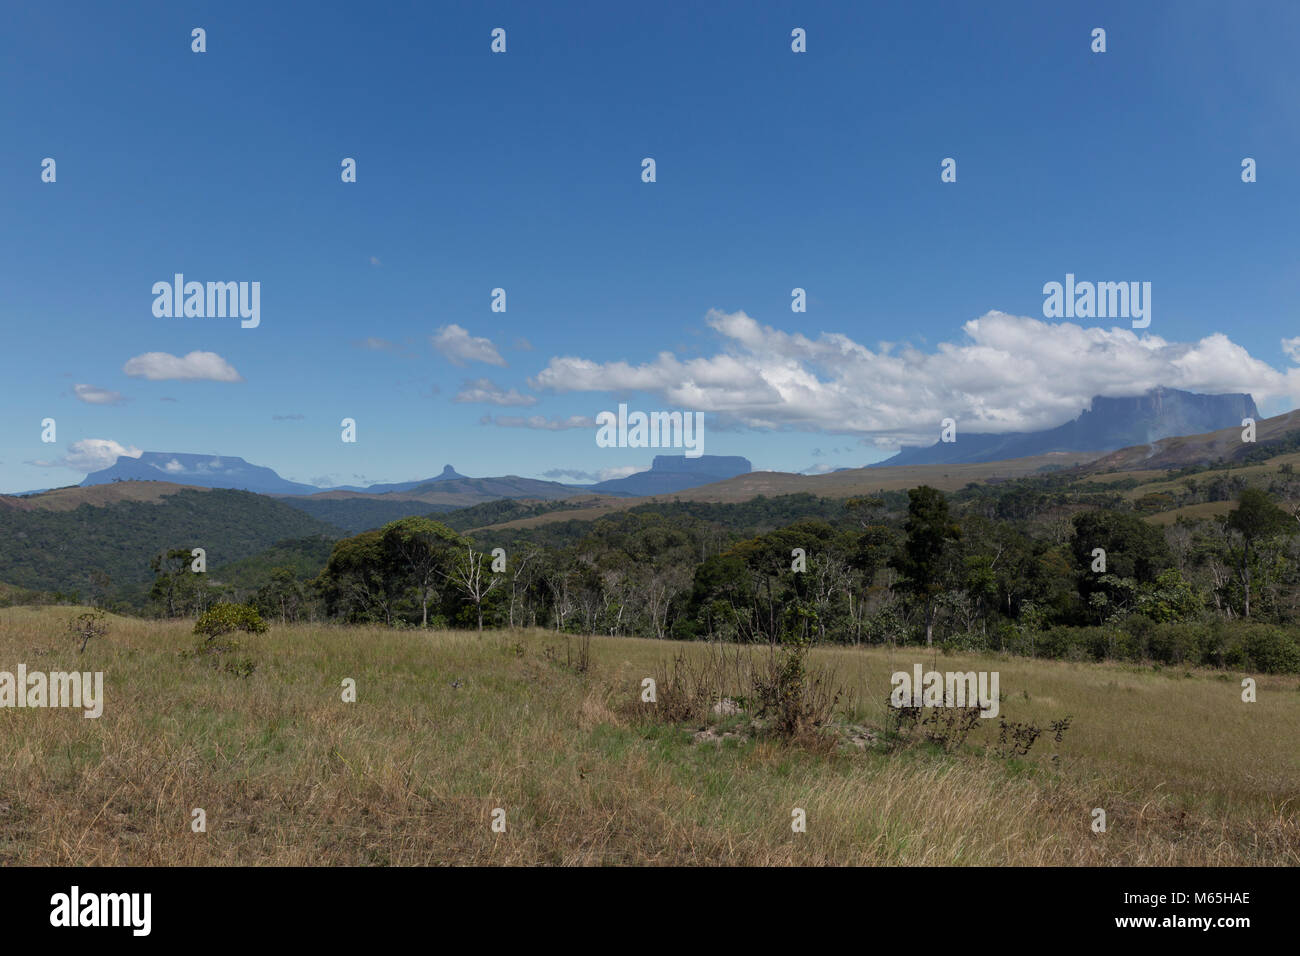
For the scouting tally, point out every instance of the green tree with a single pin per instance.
(1256, 519)
(923, 559)
(422, 552)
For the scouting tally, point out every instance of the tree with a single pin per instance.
(467, 572)
(1256, 519)
(176, 590)
(922, 560)
(356, 581)
(420, 550)
(281, 595)
(1135, 552)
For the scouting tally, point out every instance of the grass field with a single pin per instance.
(448, 726)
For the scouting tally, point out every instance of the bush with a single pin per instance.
(1180, 643)
(85, 626)
(224, 618)
(1272, 650)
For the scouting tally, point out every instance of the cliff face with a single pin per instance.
(1110, 424)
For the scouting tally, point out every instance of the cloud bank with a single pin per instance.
(1008, 373)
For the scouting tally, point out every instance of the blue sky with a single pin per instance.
(522, 171)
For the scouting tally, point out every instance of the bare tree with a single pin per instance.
(471, 573)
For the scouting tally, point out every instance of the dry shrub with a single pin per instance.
(792, 699)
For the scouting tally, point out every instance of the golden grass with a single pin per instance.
(410, 774)
(98, 496)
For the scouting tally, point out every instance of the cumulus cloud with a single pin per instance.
(196, 366)
(1292, 349)
(459, 347)
(1007, 373)
(92, 454)
(94, 395)
(539, 422)
(488, 392)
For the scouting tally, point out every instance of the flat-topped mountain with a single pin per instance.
(233, 472)
(203, 471)
(1108, 424)
(669, 473)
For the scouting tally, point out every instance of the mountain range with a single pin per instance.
(230, 471)
(1106, 425)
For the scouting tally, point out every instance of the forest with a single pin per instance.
(1048, 566)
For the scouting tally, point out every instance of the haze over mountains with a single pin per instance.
(671, 473)
(1109, 424)
(450, 488)
(230, 471)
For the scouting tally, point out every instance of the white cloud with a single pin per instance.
(173, 467)
(94, 395)
(539, 422)
(1008, 373)
(459, 347)
(92, 454)
(1292, 349)
(486, 391)
(621, 471)
(604, 474)
(196, 366)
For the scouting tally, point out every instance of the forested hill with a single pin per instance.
(61, 550)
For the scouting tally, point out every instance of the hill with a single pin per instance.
(847, 483)
(74, 496)
(58, 548)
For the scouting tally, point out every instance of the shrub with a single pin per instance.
(1272, 650)
(1179, 643)
(224, 618)
(85, 626)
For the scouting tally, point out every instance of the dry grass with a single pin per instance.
(450, 725)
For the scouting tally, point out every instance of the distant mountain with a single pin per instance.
(228, 471)
(1109, 424)
(1181, 451)
(360, 510)
(448, 474)
(203, 471)
(669, 473)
